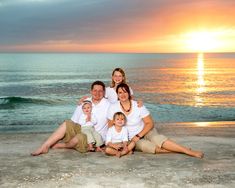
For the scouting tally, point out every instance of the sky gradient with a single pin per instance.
(117, 26)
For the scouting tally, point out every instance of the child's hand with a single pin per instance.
(88, 117)
(82, 99)
(140, 103)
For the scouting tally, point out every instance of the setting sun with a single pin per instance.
(202, 41)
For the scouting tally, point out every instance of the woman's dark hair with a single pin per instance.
(125, 88)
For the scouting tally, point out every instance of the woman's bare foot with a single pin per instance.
(39, 151)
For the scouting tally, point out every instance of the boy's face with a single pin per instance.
(119, 120)
(86, 108)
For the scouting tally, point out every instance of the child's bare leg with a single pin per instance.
(91, 147)
(111, 151)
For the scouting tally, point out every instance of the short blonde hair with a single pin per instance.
(119, 114)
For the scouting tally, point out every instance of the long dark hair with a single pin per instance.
(125, 88)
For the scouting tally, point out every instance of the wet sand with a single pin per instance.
(68, 168)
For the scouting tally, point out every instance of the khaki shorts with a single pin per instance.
(74, 130)
(150, 141)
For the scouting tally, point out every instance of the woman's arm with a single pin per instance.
(148, 125)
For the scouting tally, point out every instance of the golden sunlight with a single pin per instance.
(202, 41)
(200, 80)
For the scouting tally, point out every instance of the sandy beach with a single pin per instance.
(68, 168)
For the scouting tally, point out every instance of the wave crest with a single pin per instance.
(13, 102)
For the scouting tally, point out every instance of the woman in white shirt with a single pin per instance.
(141, 128)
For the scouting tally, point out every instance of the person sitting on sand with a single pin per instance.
(117, 137)
(141, 127)
(87, 120)
(69, 132)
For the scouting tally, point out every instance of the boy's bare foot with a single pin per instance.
(39, 151)
(99, 149)
(118, 154)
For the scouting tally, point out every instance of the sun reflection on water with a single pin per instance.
(200, 80)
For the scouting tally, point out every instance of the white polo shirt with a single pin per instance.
(111, 94)
(135, 122)
(100, 111)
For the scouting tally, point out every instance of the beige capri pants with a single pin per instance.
(150, 141)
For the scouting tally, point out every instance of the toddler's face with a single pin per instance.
(119, 120)
(86, 108)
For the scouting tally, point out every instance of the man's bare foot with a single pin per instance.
(39, 151)
(130, 152)
(198, 154)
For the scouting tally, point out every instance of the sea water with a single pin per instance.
(40, 90)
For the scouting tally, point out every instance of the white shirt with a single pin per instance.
(135, 122)
(111, 94)
(114, 137)
(100, 110)
(84, 123)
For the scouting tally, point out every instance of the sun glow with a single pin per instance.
(202, 41)
(200, 80)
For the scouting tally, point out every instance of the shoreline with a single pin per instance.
(68, 168)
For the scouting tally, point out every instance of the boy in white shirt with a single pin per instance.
(117, 137)
(87, 120)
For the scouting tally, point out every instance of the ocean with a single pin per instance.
(40, 90)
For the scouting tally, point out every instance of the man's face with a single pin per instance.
(97, 92)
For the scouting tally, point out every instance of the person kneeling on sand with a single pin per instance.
(117, 137)
(87, 121)
(69, 132)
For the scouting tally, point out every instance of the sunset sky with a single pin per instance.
(117, 26)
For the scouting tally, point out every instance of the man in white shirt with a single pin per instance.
(70, 131)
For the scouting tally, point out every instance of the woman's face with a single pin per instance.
(117, 77)
(122, 94)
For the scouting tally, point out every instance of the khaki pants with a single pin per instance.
(150, 141)
(72, 130)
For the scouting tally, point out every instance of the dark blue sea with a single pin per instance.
(39, 90)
